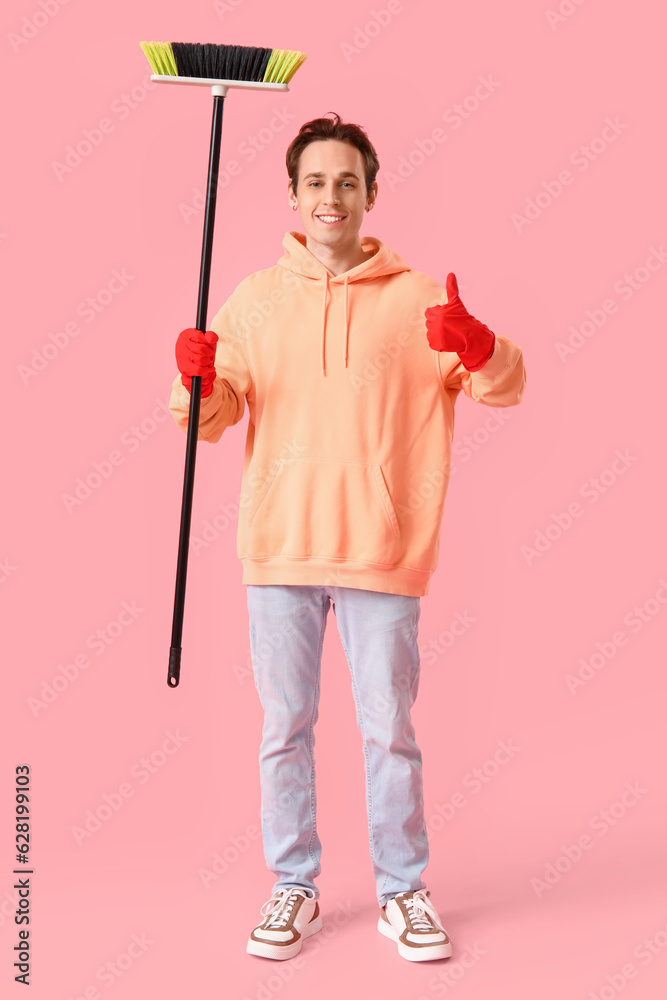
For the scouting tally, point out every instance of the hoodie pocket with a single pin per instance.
(324, 508)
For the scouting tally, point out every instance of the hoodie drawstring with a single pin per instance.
(347, 320)
(300, 261)
(324, 314)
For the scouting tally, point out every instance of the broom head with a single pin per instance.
(228, 65)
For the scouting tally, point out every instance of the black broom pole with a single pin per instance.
(195, 398)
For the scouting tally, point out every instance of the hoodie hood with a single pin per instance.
(298, 259)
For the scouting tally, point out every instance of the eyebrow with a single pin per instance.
(319, 173)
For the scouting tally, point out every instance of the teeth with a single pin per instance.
(330, 218)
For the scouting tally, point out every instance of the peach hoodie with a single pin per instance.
(351, 419)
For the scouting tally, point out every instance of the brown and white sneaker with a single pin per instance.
(412, 921)
(291, 915)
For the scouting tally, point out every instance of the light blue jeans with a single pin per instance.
(378, 632)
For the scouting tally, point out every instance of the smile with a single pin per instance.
(330, 220)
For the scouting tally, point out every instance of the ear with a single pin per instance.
(291, 195)
(372, 195)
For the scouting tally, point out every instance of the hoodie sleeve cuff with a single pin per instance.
(496, 363)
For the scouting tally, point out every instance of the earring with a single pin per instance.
(294, 208)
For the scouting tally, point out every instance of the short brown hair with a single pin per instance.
(332, 128)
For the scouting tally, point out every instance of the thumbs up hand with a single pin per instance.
(450, 327)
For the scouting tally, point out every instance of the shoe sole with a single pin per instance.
(284, 951)
(423, 954)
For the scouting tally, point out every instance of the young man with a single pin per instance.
(350, 363)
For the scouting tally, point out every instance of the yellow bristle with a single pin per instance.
(161, 58)
(282, 66)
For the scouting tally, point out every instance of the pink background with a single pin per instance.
(552, 83)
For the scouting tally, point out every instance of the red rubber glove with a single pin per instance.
(451, 328)
(195, 355)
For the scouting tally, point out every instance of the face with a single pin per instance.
(331, 195)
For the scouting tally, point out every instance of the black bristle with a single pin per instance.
(259, 64)
(221, 62)
(263, 63)
(196, 60)
(237, 68)
(231, 61)
(211, 60)
(226, 61)
(243, 63)
(182, 55)
(205, 60)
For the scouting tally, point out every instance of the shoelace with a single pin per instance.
(420, 911)
(280, 906)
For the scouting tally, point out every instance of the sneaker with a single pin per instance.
(412, 921)
(292, 915)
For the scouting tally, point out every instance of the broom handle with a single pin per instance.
(195, 398)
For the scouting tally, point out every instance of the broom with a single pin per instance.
(220, 67)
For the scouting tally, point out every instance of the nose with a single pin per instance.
(331, 197)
